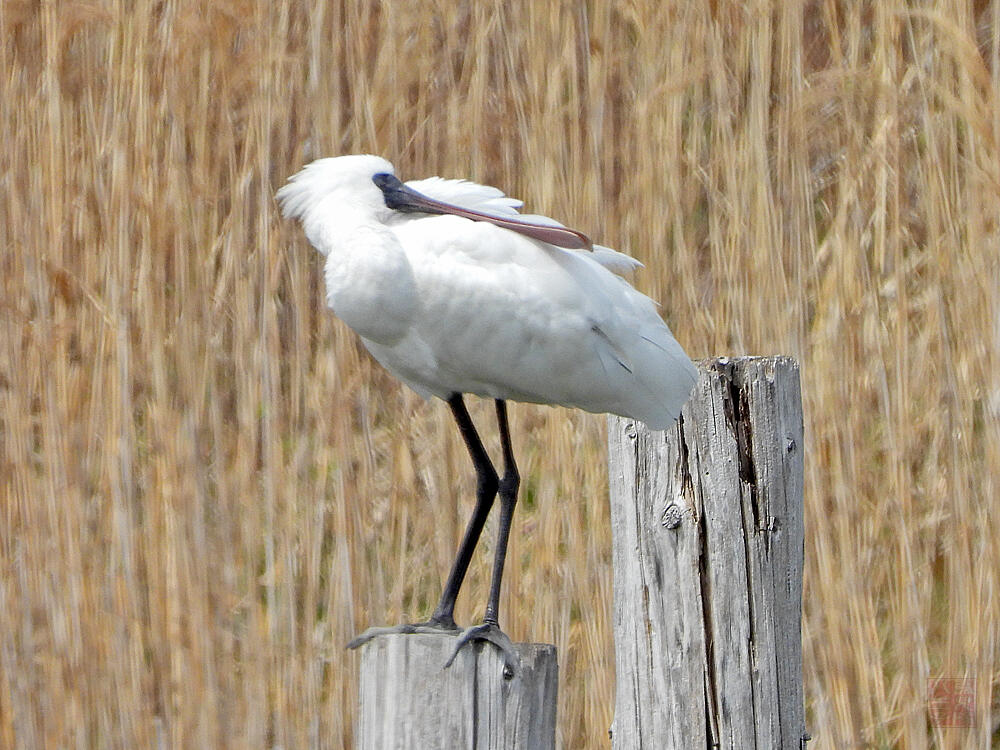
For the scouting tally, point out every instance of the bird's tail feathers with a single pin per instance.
(666, 375)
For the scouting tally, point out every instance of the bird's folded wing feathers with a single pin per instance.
(491, 200)
(614, 261)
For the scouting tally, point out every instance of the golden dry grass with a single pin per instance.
(206, 486)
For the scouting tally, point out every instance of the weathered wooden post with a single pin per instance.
(707, 529)
(409, 700)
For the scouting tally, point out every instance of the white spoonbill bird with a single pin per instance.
(454, 292)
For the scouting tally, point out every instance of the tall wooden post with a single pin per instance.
(707, 529)
(408, 699)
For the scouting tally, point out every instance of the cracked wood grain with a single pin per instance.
(707, 530)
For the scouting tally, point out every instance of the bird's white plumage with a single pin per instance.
(451, 305)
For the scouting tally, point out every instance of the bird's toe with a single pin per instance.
(406, 628)
(491, 633)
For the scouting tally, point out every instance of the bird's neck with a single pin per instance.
(336, 230)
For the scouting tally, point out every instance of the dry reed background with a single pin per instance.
(207, 486)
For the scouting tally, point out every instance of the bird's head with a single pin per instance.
(348, 181)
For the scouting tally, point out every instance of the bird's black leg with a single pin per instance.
(486, 492)
(487, 482)
(508, 487)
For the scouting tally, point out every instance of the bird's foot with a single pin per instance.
(491, 632)
(436, 627)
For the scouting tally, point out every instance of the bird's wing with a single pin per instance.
(503, 316)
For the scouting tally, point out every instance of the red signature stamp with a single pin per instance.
(951, 701)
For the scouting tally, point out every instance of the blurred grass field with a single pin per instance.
(207, 487)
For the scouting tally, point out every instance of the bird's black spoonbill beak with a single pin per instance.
(400, 197)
